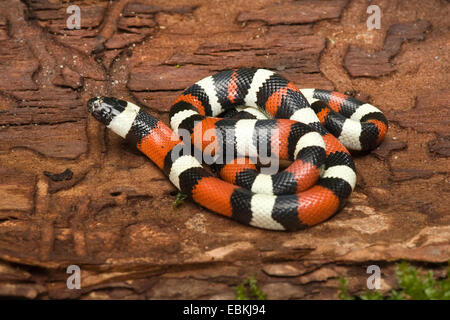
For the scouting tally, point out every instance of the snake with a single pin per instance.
(228, 129)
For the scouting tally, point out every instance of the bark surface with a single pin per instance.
(111, 212)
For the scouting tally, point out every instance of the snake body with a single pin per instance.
(312, 128)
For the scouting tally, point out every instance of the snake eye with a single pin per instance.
(101, 109)
(105, 112)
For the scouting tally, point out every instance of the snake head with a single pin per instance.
(104, 109)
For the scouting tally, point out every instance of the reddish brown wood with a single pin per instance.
(375, 64)
(114, 217)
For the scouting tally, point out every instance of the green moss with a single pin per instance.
(414, 284)
(249, 290)
(241, 292)
(417, 286)
(343, 290)
(179, 199)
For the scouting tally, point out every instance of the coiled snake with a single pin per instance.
(310, 127)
